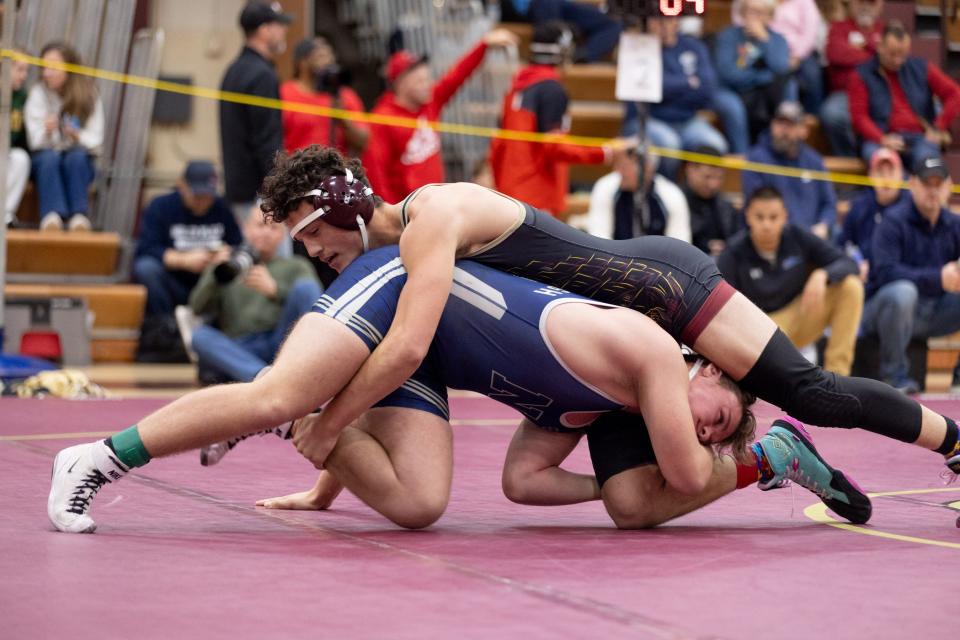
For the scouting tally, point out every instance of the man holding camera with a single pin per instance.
(319, 82)
(251, 298)
(182, 232)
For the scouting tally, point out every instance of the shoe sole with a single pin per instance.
(859, 509)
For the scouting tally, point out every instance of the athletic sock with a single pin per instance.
(759, 471)
(127, 449)
(951, 441)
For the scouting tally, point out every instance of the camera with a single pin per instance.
(239, 263)
(330, 78)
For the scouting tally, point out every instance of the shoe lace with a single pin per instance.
(950, 474)
(83, 494)
(798, 475)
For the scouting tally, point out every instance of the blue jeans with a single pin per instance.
(242, 357)
(682, 135)
(837, 126)
(62, 179)
(733, 115)
(896, 313)
(164, 291)
(809, 76)
(916, 147)
(600, 32)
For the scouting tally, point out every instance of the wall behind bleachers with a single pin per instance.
(203, 38)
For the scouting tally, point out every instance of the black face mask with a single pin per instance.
(330, 78)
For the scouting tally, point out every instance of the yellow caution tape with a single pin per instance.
(444, 127)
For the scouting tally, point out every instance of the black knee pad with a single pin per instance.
(618, 441)
(785, 378)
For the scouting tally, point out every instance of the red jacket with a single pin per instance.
(303, 129)
(537, 172)
(399, 160)
(847, 47)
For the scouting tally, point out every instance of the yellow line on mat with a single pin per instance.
(818, 513)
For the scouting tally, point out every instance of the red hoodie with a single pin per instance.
(398, 159)
(537, 172)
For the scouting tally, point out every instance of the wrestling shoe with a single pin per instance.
(74, 482)
(788, 450)
(214, 453)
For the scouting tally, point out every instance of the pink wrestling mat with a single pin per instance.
(182, 553)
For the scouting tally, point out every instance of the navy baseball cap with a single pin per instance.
(259, 13)
(931, 167)
(201, 178)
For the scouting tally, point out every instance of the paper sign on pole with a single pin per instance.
(639, 68)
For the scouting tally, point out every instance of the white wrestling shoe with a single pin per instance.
(214, 453)
(75, 481)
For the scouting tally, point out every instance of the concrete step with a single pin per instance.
(62, 252)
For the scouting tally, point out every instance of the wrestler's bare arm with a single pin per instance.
(532, 473)
(446, 221)
(631, 359)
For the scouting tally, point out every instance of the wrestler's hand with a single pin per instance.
(313, 439)
(320, 497)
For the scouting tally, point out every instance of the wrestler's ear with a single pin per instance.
(711, 371)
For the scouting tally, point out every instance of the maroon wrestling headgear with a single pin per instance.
(341, 200)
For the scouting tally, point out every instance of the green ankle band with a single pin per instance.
(129, 447)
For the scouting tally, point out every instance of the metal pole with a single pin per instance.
(9, 21)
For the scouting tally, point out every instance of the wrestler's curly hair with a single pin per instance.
(741, 438)
(297, 173)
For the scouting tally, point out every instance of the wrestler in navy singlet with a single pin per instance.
(491, 339)
(666, 279)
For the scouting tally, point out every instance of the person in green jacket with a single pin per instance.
(249, 301)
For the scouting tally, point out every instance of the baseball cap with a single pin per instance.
(931, 167)
(884, 154)
(401, 62)
(201, 178)
(789, 111)
(260, 13)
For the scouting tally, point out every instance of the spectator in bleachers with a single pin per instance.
(249, 135)
(64, 121)
(250, 311)
(892, 100)
(804, 283)
(869, 208)
(621, 206)
(320, 82)
(713, 219)
(18, 162)
(754, 61)
(800, 23)
(689, 84)
(850, 43)
(398, 160)
(600, 33)
(181, 234)
(914, 284)
(812, 204)
(537, 172)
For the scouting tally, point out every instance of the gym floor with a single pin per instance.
(182, 552)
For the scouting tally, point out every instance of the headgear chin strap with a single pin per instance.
(342, 201)
(697, 364)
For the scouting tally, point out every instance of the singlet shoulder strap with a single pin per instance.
(404, 220)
